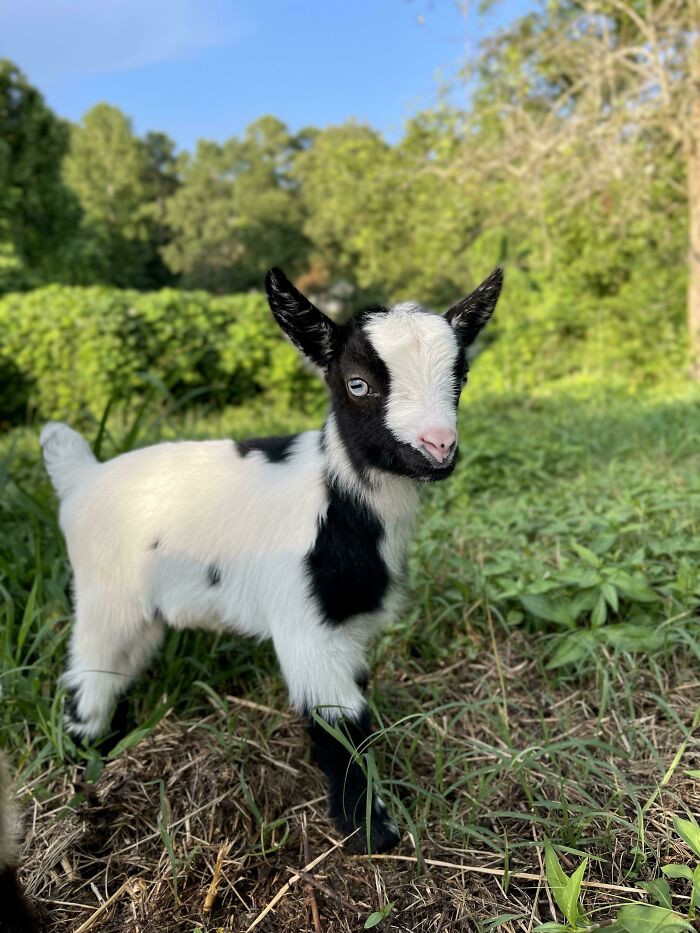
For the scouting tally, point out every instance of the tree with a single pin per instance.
(394, 221)
(37, 212)
(238, 210)
(589, 102)
(161, 181)
(107, 169)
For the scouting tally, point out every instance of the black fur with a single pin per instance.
(461, 372)
(16, 916)
(345, 568)
(72, 705)
(155, 545)
(472, 313)
(362, 680)
(213, 575)
(347, 786)
(275, 449)
(158, 616)
(310, 330)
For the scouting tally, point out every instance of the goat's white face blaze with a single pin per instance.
(420, 351)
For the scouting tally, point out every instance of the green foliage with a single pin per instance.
(566, 892)
(376, 918)
(114, 176)
(631, 918)
(237, 211)
(68, 351)
(37, 212)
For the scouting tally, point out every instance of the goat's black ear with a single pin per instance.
(472, 313)
(307, 327)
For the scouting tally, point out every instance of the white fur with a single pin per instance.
(204, 504)
(420, 351)
(144, 529)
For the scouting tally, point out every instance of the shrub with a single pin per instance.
(65, 352)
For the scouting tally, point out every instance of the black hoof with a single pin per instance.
(383, 835)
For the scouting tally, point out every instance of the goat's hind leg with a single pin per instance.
(111, 643)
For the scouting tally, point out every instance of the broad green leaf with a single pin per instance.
(677, 871)
(610, 594)
(603, 543)
(571, 894)
(647, 918)
(696, 886)
(557, 880)
(378, 915)
(572, 648)
(693, 773)
(660, 890)
(634, 587)
(600, 612)
(689, 832)
(543, 608)
(633, 637)
(588, 556)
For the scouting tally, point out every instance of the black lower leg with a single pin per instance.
(347, 785)
(16, 916)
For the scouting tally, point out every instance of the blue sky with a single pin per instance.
(206, 68)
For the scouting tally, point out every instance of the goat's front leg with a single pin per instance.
(325, 670)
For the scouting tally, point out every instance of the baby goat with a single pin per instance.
(300, 539)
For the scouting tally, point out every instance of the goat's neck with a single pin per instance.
(393, 498)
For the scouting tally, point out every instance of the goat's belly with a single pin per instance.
(239, 593)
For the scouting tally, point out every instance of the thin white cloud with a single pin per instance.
(53, 39)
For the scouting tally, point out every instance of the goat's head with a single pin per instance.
(395, 374)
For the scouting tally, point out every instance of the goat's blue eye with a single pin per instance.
(358, 387)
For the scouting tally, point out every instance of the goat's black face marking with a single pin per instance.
(345, 568)
(275, 449)
(213, 575)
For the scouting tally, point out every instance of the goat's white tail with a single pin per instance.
(66, 455)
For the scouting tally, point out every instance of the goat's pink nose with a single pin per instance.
(438, 442)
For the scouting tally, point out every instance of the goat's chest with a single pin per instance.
(357, 560)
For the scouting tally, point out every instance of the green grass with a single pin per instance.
(536, 685)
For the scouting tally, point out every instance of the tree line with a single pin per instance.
(576, 161)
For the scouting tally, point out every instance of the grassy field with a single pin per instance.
(540, 686)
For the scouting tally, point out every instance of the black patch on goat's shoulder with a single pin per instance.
(275, 449)
(213, 575)
(347, 573)
(155, 545)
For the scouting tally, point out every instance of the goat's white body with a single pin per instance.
(144, 529)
